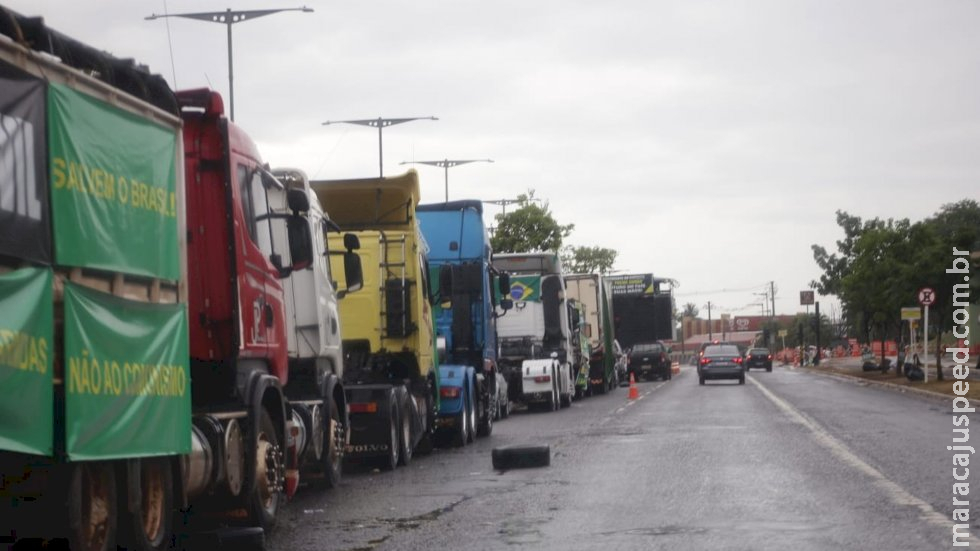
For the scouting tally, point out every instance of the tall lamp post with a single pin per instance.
(447, 164)
(228, 18)
(381, 124)
(504, 202)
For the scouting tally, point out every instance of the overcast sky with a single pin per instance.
(709, 142)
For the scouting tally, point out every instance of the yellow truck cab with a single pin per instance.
(389, 362)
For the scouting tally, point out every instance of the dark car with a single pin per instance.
(721, 361)
(758, 357)
(649, 361)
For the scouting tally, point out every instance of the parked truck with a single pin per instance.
(462, 279)
(142, 343)
(593, 294)
(316, 367)
(644, 309)
(536, 354)
(389, 373)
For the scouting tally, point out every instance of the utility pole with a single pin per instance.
(816, 329)
(709, 321)
(229, 18)
(772, 313)
(381, 123)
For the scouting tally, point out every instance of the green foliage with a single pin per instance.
(881, 264)
(588, 260)
(530, 228)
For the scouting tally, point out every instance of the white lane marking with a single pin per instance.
(897, 494)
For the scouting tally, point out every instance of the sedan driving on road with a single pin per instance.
(721, 361)
(758, 357)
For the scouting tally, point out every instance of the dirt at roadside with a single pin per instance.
(852, 367)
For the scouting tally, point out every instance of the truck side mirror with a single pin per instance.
(351, 242)
(353, 275)
(506, 304)
(575, 317)
(503, 283)
(300, 243)
(445, 282)
(297, 200)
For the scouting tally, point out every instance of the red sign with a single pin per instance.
(926, 296)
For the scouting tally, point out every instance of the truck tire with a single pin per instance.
(332, 460)
(390, 461)
(93, 506)
(521, 457)
(471, 428)
(489, 410)
(267, 496)
(462, 424)
(405, 435)
(150, 519)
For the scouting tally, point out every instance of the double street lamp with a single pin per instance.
(447, 164)
(228, 18)
(381, 124)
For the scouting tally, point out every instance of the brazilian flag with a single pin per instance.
(525, 288)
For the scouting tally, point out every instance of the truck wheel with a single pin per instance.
(701, 380)
(462, 424)
(553, 405)
(471, 427)
(519, 457)
(332, 460)
(390, 461)
(270, 471)
(92, 507)
(405, 416)
(488, 409)
(151, 521)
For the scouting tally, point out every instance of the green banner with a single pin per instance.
(127, 377)
(113, 187)
(26, 355)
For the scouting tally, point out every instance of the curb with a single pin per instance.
(897, 388)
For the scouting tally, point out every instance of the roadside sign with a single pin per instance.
(911, 313)
(806, 298)
(926, 296)
(783, 332)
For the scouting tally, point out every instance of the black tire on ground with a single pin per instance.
(506, 410)
(405, 433)
(701, 380)
(267, 496)
(92, 507)
(150, 522)
(741, 380)
(521, 457)
(769, 368)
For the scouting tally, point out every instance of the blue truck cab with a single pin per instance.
(464, 314)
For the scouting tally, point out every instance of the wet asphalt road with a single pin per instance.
(790, 460)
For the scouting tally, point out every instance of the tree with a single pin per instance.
(955, 225)
(529, 228)
(588, 260)
(690, 310)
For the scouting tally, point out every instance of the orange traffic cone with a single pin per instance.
(634, 392)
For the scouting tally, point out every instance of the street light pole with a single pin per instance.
(381, 123)
(447, 164)
(228, 18)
